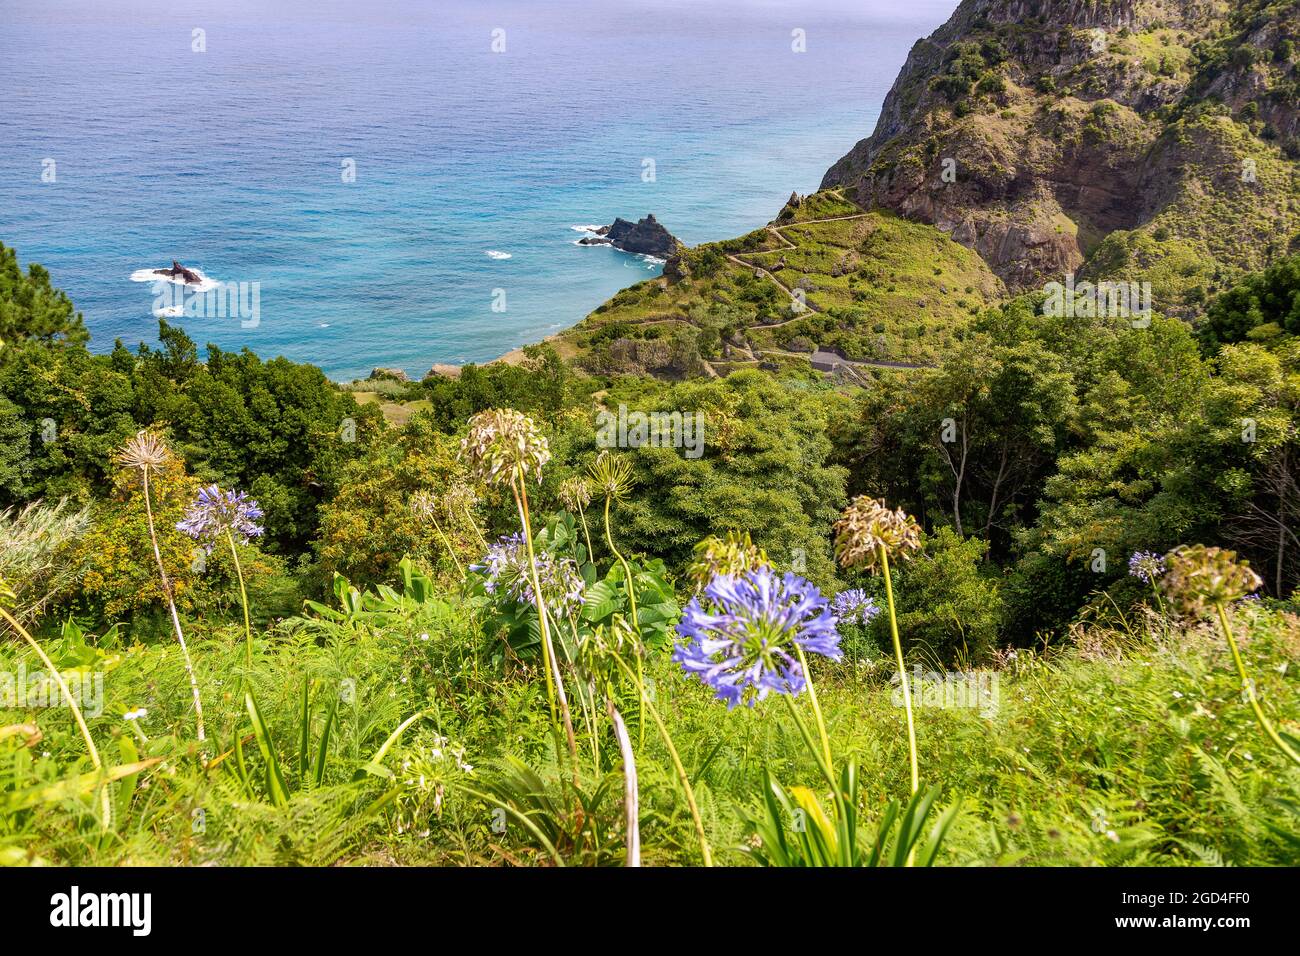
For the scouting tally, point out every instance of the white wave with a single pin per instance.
(205, 284)
(170, 312)
(651, 261)
(494, 254)
(585, 228)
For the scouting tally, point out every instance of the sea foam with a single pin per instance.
(205, 283)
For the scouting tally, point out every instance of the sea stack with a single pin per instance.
(647, 237)
(189, 276)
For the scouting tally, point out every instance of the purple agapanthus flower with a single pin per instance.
(505, 569)
(740, 630)
(1146, 566)
(214, 512)
(854, 607)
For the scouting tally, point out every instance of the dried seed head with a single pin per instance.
(612, 475)
(866, 526)
(575, 493)
(143, 451)
(423, 505)
(1200, 578)
(459, 497)
(502, 441)
(732, 555)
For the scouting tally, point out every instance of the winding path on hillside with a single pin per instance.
(786, 245)
(851, 364)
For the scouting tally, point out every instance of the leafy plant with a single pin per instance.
(792, 828)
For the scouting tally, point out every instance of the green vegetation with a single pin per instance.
(396, 697)
(872, 284)
(968, 597)
(1131, 748)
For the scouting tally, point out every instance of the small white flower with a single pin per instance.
(136, 714)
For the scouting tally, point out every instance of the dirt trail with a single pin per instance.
(787, 244)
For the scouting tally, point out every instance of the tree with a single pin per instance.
(368, 526)
(764, 469)
(32, 310)
(1270, 298)
(949, 602)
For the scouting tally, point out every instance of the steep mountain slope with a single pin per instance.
(1132, 140)
(824, 273)
(1141, 138)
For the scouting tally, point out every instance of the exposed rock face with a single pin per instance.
(395, 374)
(443, 370)
(188, 276)
(1030, 130)
(646, 237)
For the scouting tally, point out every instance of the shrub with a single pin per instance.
(949, 605)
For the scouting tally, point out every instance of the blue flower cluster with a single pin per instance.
(1146, 566)
(854, 607)
(739, 632)
(505, 568)
(214, 512)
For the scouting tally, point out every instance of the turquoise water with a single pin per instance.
(231, 160)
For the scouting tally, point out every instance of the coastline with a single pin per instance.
(514, 356)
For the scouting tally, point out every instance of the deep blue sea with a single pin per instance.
(232, 160)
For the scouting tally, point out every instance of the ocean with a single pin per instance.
(399, 183)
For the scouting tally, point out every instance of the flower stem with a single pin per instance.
(474, 524)
(171, 605)
(591, 555)
(902, 671)
(447, 544)
(548, 652)
(902, 679)
(566, 715)
(105, 804)
(1160, 606)
(823, 764)
(816, 707)
(590, 714)
(636, 625)
(677, 761)
(1249, 688)
(243, 597)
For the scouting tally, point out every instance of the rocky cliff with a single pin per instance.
(645, 237)
(1152, 138)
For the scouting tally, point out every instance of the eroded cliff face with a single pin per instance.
(1153, 136)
